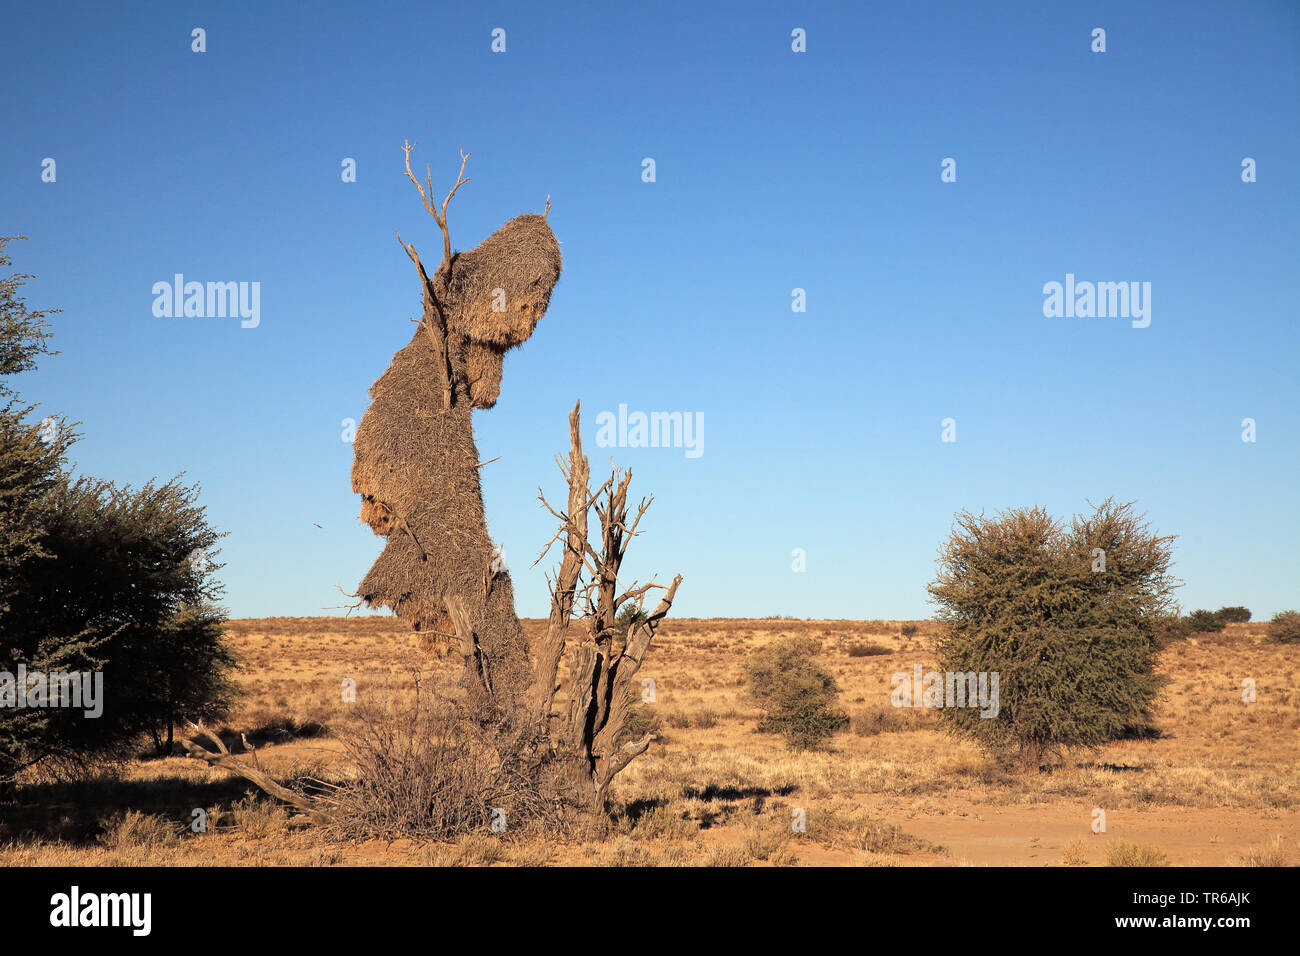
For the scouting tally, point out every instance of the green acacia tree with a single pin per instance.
(95, 578)
(29, 466)
(1068, 617)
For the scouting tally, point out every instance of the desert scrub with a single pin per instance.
(259, 818)
(477, 849)
(1075, 853)
(1123, 853)
(770, 842)
(625, 852)
(879, 720)
(134, 830)
(1272, 854)
(876, 836)
(665, 823)
(868, 649)
(533, 854)
(727, 855)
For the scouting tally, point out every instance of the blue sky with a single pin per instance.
(775, 170)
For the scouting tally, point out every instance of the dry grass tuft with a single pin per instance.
(1075, 853)
(259, 818)
(477, 849)
(134, 830)
(1124, 853)
(1274, 853)
(725, 854)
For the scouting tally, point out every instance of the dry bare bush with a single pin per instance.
(419, 767)
(589, 747)
(883, 720)
(1075, 853)
(1124, 853)
(1274, 853)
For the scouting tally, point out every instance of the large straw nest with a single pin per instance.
(415, 461)
(501, 289)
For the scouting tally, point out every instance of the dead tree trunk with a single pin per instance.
(590, 744)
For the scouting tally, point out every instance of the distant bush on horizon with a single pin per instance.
(1285, 627)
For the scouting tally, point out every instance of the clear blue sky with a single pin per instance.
(775, 171)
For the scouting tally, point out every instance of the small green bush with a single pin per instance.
(1205, 622)
(1200, 621)
(629, 614)
(806, 720)
(796, 693)
(640, 718)
(1285, 627)
(785, 664)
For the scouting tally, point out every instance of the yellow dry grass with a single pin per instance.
(1220, 786)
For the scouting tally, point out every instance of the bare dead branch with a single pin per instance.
(350, 607)
(603, 664)
(551, 651)
(441, 220)
(224, 759)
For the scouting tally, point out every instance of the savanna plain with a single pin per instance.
(1215, 784)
